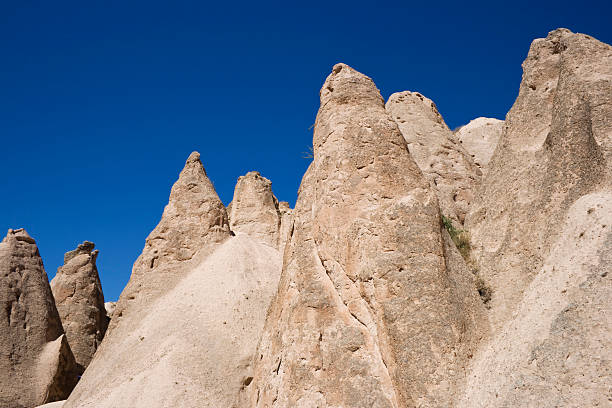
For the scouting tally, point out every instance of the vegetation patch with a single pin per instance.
(461, 239)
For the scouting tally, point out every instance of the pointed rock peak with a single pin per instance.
(421, 104)
(345, 85)
(31, 323)
(86, 248)
(479, 138)
(19, 234)
(80, 302)
(254, 209)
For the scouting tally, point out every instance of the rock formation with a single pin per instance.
(80, 302)
(186, 327)
(437, 152)
(110, 309)
(36, 364)
(479, 138)
(286, 226)
(368, 313)
(254, 209)
(541, 234)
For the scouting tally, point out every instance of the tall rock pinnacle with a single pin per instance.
(368, 314)
(80, 302)
(36, 364)
(438, 153)
(542, 238)
(254, 210)
(185, 330)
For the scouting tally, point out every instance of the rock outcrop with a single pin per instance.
(110, 309)
(36, 364)
(368, 312)
(438, 153)
(80, 302)
(254, 209)
(541, 234)
(479, 138)
(186, 327)
(286, 226)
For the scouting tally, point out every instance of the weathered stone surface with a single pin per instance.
(367, 314)
(186, 328)
(254, 209)
(36, 364)
(80, 302)
(479, 138)
(438, 153)
(541, 234)
(286, 227)
(555, 148)
(110, 309)
(57, 404)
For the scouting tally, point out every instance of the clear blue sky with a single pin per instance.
(101, 102)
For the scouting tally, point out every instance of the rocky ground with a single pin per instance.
(420, 267)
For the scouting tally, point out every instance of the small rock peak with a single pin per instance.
(19, 234)
(193, 157)
(86, 248)
(344, 84)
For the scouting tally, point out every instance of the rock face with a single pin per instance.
(254, 209)
(110, 309)
(286, 227)
(479, 138)
(368, 312)
(36, 364)
(186, 327)
(80, 302)
(438, 153)
(541, 234)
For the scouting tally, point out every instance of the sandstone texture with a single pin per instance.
(368, 312)
(254, 209)
(438, 153)
(186, 327)
(541, 235)
(36, 363)
(110, 309)
(80, 302)
(286, 226)
(479, 138)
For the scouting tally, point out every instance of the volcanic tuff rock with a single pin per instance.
(479, 138)
(36, 364)
(254, 209)
(186, 327)
(286, 227)
(448, 167)
(541, 234)
(110, 309)
(80, 302)
(368, 312)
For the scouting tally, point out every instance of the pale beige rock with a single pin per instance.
(556, 350)
(110, 309)
(554, 149)
(254, 209)
(36, 364)
(368, 313)
(286, 227)
(438, 153)
(57, 404)
(186, 328)
(80, 302)
(479, 138)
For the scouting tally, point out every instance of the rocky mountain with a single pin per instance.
(80, 302)
(420, 267)
(36, 363)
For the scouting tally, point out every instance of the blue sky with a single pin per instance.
(101, 102)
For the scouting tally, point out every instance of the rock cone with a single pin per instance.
(254, 209)
(186, 328)
(438, 153)
(367, 314)
(479, 138)
(36, 364)
(80, 302)
(541, 234)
